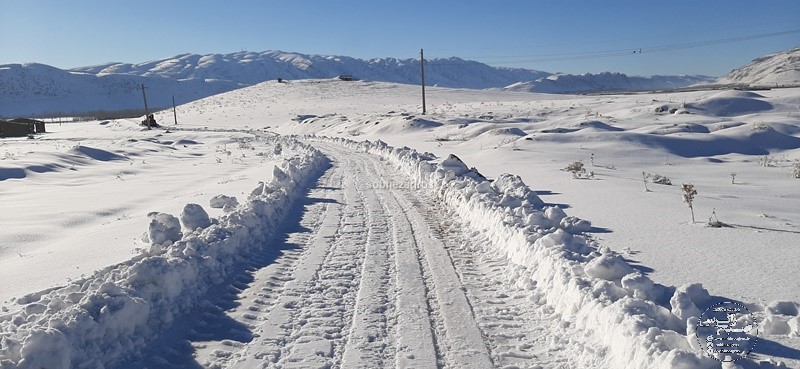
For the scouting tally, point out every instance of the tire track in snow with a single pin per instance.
(519, 329)
(263, 297)
(458, 340)
(512, 326)
(415, 317)
(307, 326)
(368, 343)
(381, 278)
(453, 333)
(212, 333)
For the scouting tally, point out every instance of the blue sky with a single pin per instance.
(526, 34)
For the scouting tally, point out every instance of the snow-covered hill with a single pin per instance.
(605, 82)
(781, 68)
(249, 68)
(37, 89)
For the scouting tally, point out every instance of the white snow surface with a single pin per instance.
(101, 320)
(624, 289)
(578, 278)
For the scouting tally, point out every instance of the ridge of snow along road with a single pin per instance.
(591, 286)
(103, 319)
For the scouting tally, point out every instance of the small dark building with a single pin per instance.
(11, 129)
(38, 125)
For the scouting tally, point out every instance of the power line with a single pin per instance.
(630, 51)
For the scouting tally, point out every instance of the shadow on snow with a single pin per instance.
(209, 322)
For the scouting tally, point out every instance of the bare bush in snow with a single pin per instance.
(578, 171)
(714, 222)
(659, 179)
(655, 178)
(766, 161)
(688, 196)
(244, 144)
(796, 169)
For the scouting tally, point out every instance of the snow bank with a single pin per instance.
(724, 106)
(102, 320)
(591, 286)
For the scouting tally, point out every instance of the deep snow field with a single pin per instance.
(537, 135)
(76, 200)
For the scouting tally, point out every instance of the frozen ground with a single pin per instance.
(385, 263)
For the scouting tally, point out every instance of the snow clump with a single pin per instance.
(610, 267)
(223, 201)
(163, 229)
(193, 217)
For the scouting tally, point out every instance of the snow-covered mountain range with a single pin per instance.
(36, 89)
(780, 69)
(41, 90)
(248, 68)
(605, 82)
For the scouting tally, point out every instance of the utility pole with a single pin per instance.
(422, 69)
(174, 113)
(146, 112)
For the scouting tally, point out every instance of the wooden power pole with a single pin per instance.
(146, 112)
(422, 70)
(174, 112)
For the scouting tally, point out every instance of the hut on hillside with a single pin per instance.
(21, 127)
(10, 129)
(38, 125)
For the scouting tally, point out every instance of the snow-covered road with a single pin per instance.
(371, 273)
(393, 257)
(360, 255)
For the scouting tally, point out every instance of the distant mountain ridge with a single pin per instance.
(248, 68)
(605, 82)
(40, 90)
(782, 69)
